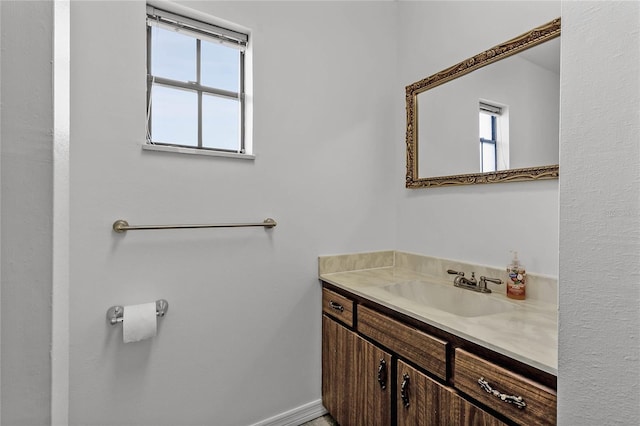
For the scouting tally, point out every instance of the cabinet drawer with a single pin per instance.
(416, 346)
(540, 401)
(337, 306)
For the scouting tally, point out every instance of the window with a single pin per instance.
(488, 139)
(493, 129)
(195, 84)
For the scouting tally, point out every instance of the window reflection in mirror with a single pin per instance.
(493, 120)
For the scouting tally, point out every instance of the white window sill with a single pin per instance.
(195, 151)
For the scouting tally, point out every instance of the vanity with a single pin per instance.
(402, 346)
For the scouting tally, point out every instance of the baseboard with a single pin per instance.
(296, 416)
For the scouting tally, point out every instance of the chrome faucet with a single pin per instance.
(461, 281)
(472, 283)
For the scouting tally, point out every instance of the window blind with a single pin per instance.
(198, 29)
(491, 109)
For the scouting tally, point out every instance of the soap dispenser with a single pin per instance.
(516, 282)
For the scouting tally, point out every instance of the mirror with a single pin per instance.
(491, 118)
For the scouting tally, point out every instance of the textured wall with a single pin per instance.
(599, 361)
(27, 122)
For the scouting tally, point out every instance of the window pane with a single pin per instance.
(220, 123)
(173, 55)
(488, 157)
(174, 116)
(485, 126)
(220, 66)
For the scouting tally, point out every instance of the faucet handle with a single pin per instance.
(451, 271)
(483, 283)
(492, 280)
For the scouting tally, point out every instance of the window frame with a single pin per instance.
(493, 142)
(499, 118)
(199, 30)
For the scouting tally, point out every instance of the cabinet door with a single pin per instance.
(423, 401)
(338, 367)
(412, 394)
(372, 385)
(356, 387)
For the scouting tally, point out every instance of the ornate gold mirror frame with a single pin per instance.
(518, 44)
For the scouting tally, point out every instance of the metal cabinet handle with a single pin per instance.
(336, 306)
(404, 390)
(382, 374)
(515, 400)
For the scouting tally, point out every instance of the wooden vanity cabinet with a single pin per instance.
(381, 368)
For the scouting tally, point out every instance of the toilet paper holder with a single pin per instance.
(115, 313)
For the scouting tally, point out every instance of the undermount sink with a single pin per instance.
(457, 301)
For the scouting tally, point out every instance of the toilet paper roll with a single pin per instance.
(139, 322)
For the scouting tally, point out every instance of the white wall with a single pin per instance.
(241, 341)
(26, 199)
(599, 361)
(479, 223)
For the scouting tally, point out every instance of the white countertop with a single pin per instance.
(528, 333)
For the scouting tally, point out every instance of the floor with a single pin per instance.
(321, 421)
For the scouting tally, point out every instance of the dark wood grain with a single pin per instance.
(338, 347)
(350, 388)
(433, 404)
(331, 299)
(373, 407)
(408, 342)
(541, 401)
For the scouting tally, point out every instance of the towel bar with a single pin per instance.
(115, 313)
(122, 225)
